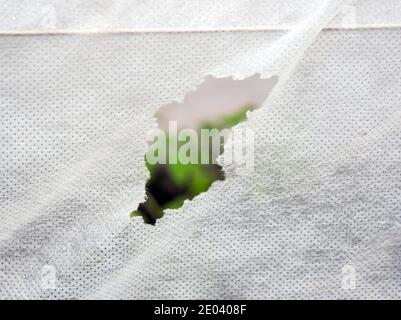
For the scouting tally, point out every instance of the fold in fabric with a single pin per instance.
(321, 205)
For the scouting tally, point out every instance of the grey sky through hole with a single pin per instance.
(214, 98)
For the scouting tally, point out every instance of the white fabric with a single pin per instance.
(325, 193)
(179, 15)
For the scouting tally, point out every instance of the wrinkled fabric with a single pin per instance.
(321, 206)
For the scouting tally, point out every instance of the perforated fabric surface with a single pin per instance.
(183, 15)
(322, 203)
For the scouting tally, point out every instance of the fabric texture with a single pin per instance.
(322, 205)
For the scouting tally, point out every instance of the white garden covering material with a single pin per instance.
(319, 217)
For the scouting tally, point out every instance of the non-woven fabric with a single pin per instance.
(318, 216)
(90, 15)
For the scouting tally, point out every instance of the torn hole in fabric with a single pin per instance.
(184, 148)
